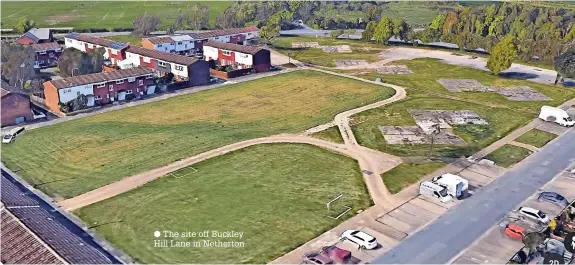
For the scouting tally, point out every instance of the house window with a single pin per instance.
(140, 82)
(101, 85)
(111, 88)
(160, 45)
(179, 68)
(179, 43)
(90, 46)
(42, 52)
(148, 76)
(147, 59)
(243, 55)
(69, 40)
(120, 81)
(128, 91)
(69, 90)
(131, 79)
(160, 63)
(78, 93)
(226, 53)
(97, 97)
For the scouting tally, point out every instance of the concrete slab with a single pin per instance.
(552, 128)
(446, 205)
(421, 213)
(394, 69)
(522, 93)
(397, 224)
(465, 260)
(412, 220)
(385, 243)
(434, 208)
(305, 45)
(488, 171)
(474, 178)
(391, 232)
(459, 85)
(345, 63)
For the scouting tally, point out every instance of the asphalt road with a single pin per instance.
(461, 226)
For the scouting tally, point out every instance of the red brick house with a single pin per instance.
(35, 36)
(100, 88)
(239, 56)
(47, 54)
(15, 106)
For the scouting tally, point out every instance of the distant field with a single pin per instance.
(98, 14)
(71, 158)
(274, 194)
(137, 41)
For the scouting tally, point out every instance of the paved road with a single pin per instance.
(460, 227)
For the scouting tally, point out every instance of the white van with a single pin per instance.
(433, 190)
(11, 135)
(556, 115)
(456, 186)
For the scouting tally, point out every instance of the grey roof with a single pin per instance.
(234, 47)
(96, 78)
(39, 34)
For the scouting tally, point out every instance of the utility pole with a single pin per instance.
(436, 129)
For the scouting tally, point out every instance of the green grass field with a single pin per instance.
(98, 14)
(275, 194)
(406, 174)
(330, 134)
(508, 155)
(137, 41)
(536, 138)
(360, 50)
(424, 92)
(74, 157)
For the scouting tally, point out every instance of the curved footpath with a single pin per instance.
(371, 162)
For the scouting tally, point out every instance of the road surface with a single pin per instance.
(461, 226)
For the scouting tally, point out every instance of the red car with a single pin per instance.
(514, 231)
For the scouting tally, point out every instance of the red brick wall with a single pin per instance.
(106, 94)
(222, 57)
(15, 105)
(25, 41)
(52, 97)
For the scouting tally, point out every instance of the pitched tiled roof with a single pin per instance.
(98, 41)
(222, 32)
(6, 89)
(234, 47)
(163, 56)
(46, 46)
(21, 246)
(101, 77)
(160, 39)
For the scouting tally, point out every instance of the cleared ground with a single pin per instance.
(330, 134)
(275, 194)
(508, 155)
(536, 138)
(74, 157)
(360, 50)
(99, 14)
(425, 93)
(408, 173)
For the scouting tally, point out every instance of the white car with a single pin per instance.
(534, 214)
(362, 239)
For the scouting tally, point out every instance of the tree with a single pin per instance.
(17, 64)
(383, 31)
(565, 65)
(336, 33)
(533, 240)
(272, 29)
(199, 17)
(74, 62)
(400, 28)
(502, 55)
(371, 13)
(24, 25)
(369, 31)
(146, 24)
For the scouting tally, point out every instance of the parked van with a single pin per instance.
(456, 186)
(433, 190)
(11, 135)
(556, 115)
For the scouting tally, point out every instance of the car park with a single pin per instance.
(316, 258)
(514, 231)
(533, 214)
(554, 198)
(362, 239)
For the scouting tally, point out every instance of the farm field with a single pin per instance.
(508, 155)
(360, 50)
(136, 41)
(424, 92)
(536, 138)
(98, 14)
(406, 174)
(274, 194)
(74, 157)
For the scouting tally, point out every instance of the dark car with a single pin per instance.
(316, 258)
(554, 198)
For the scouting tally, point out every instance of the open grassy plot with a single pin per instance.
(133, 40)
(99, 14)
(74, 157)
(360, 50)
(536, 138)
(330, 134)
(508, 155)
(275, 194)
(406, 174)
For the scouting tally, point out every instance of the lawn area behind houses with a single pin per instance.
(406, 174)
(536, 138)
(74, 157)
(508, 155)
(274, 194)
(133, 40)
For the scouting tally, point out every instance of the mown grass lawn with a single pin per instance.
(508, 155)
(74, 157)
(406, 174)
(536, 138)
(424, 92)
(360, 50)
(330, 134)
(99, 14)
(275, 194)
(133, 40)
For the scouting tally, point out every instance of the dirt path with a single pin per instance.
(371, 162)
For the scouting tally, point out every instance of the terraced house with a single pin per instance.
(115, 51)
(47, 54)
(238, 56)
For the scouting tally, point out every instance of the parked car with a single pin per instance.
(11, 135)
(316, 258)
(514, 231)
(554, 198)
(534, 214)
(362, 239)
(340, 256)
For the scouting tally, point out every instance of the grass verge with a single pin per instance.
(331, 134)
(536, 138)
(406, 174)
(508, 155)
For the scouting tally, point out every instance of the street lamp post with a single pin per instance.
(436, 129)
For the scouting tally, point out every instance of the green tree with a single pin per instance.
(24, 25)
(437, 22)
(383, 31)
(336, 33)
(399, 28)
(571, 34)
(369, 31)
(565, 65)
(502, 55)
